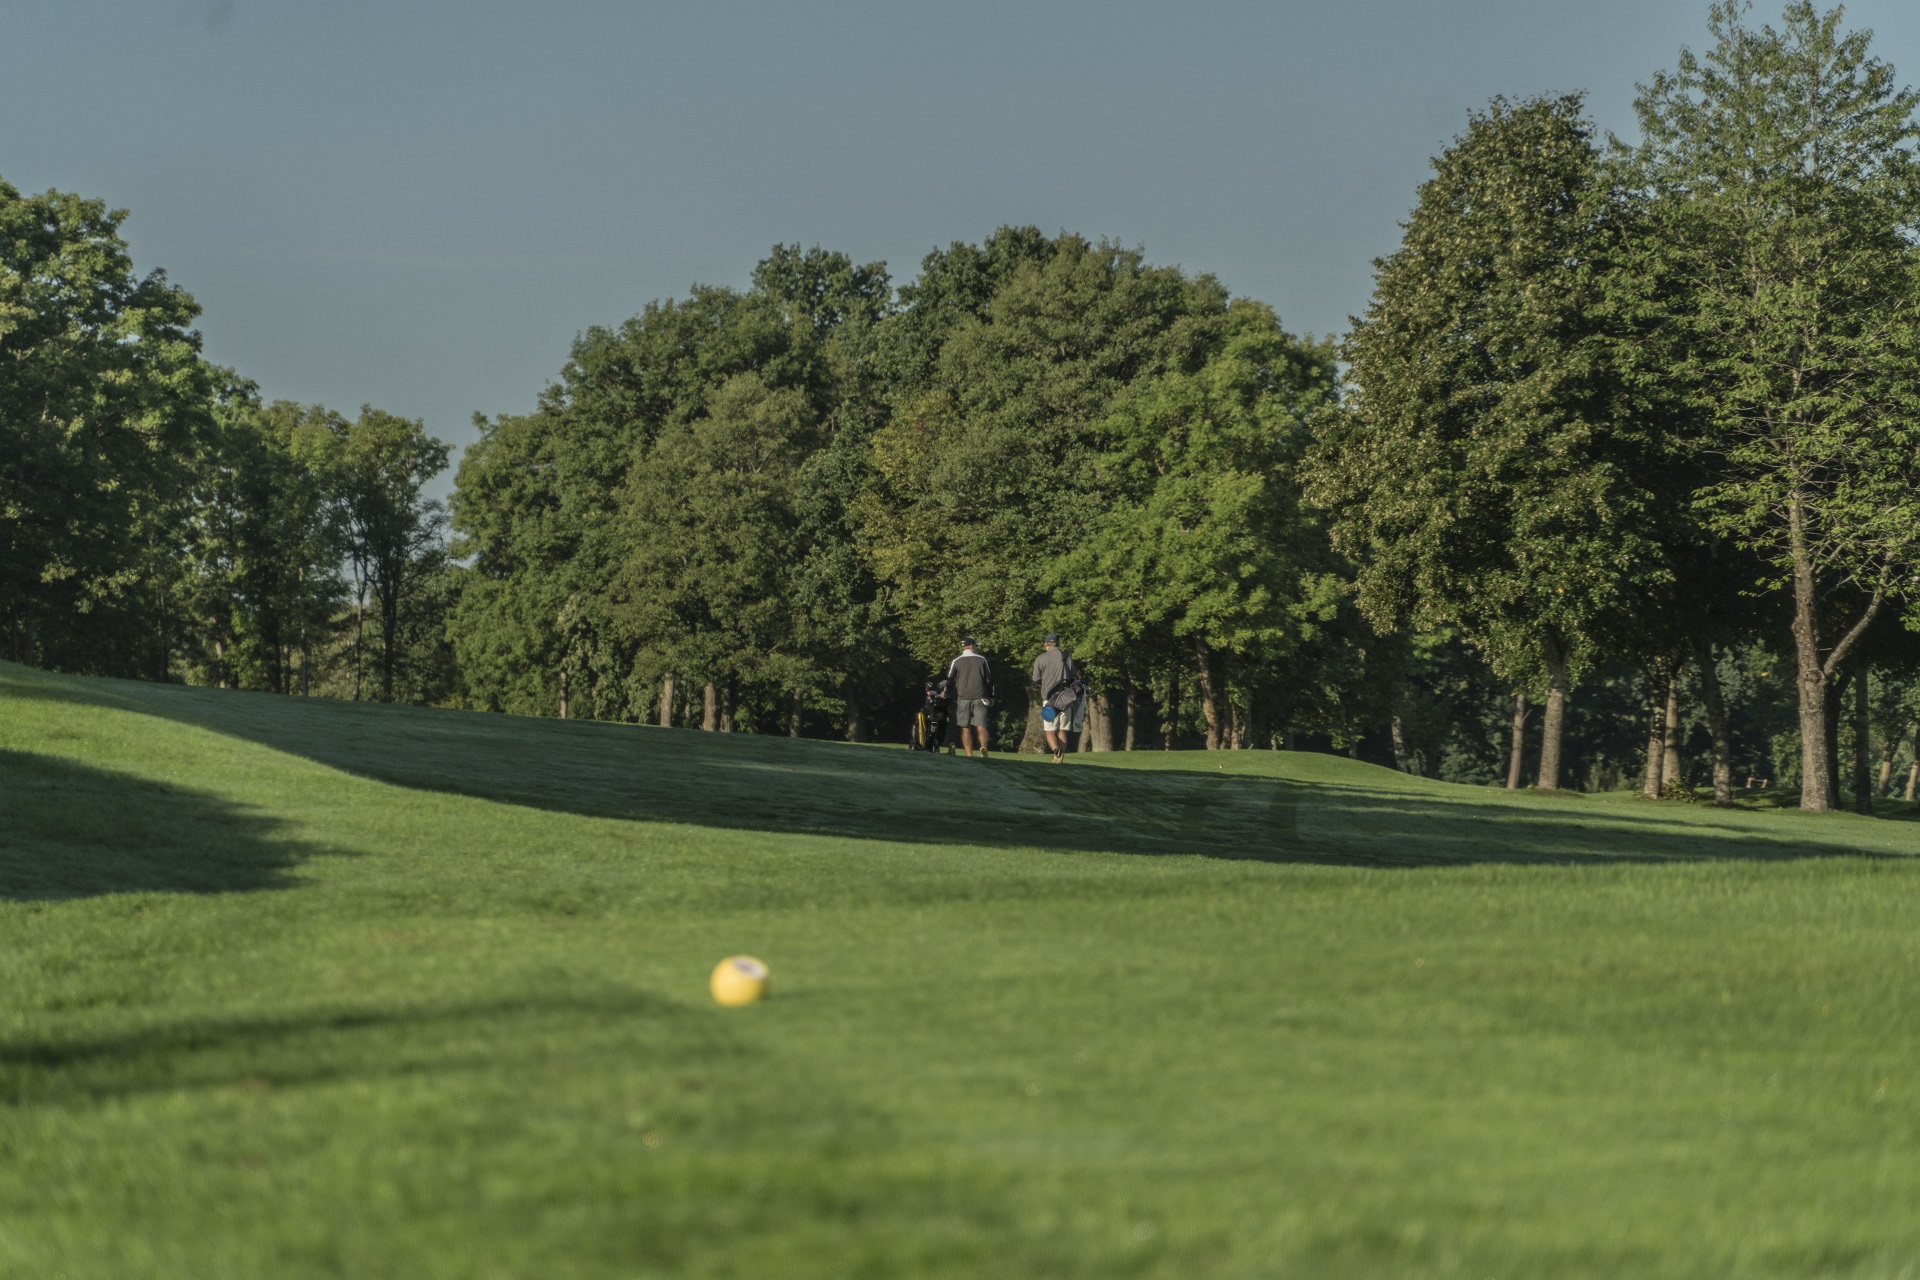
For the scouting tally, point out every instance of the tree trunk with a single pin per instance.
(1836, 698)
(1170, 714)
(1716, 707)
(1209, 694)
(1033, 735)
(1659, 676)
(1862, 737)
(1553, 724)
(726, 705)
(710, 709)
(1398, 732)
(1100, 722)
(666, 701)
(856, 716)
(1242, 727)
(1810, 680)
(794, 711)
(1836, 661)
(563, 693)
(1671, 773)
(389, 600)
(1888, 755)
(1517, 749)
(306, 661)
(1913, 770)
(1133, 710)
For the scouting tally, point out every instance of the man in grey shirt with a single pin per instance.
(1060, 706)
(970, 685)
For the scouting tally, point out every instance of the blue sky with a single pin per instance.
(420, 205)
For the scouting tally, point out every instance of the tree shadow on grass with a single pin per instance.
(68, 830)
(803, 787)
(318, 1046)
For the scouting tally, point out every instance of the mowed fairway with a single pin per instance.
(293, 988)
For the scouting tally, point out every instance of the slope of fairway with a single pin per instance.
(293, 988)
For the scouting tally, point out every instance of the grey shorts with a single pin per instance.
(970, 711)
(1072, 720)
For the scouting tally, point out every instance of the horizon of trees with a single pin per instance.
(1616, 482)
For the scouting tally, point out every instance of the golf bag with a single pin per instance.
(930, 721)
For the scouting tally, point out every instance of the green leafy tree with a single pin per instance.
(1491, 471)
(1009, 362)
(705, 583)
(380, 464)
(1780, 166)
(1200, 544)
(684, 483)
(267, 543)
(102, 396)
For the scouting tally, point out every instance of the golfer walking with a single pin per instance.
(1062, 709)
(970, 685)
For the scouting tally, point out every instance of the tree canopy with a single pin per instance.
(1627, 433)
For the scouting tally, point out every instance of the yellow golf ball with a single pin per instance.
(738, 980)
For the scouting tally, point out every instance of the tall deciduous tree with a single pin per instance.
(1200, 544)
(685, 481)
(102, 394)
(380, 464)
(1780, 166)
(267, 542)
(1014, 355)
(1490, 471)
(709, 552)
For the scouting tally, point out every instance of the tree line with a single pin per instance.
(1647, 400)
(159, 520)
(1616, 482)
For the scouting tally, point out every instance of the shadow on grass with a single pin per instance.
(259, 1054)
(789, 786)
(71, 831)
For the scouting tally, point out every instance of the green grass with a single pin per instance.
(300, 989)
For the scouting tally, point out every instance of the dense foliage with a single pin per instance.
(158, 520)
(1626, 434)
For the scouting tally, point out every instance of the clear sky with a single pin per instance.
(419, 205)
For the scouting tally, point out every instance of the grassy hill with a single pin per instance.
(302, 989)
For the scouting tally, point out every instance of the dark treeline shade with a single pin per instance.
(1616, 487)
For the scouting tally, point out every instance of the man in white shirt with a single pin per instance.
(970, 685)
